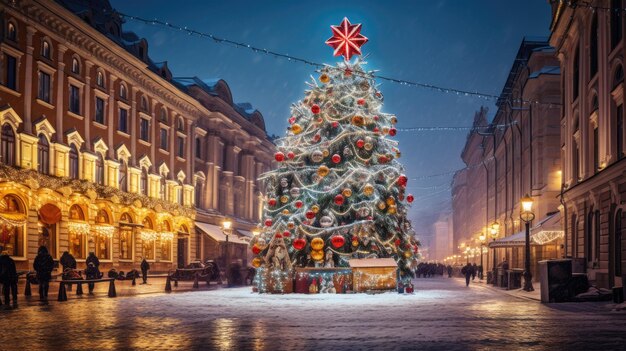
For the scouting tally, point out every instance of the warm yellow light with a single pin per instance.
(482, 237)
(527, 203)
(227, 224)
(256, 231)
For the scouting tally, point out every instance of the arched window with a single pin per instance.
(43, 155)
(616, 22)
(576, 75)
(148, 239)
(11, 31)
(7, 145)
(123, 171)
(78, 230)
(144, 103)
(45, 49)
(163, 116)
(126, 237)
(100, 169)
(618, 76)
(618, 243)
(73, 156)
(122, 91)
(13, 236)
(75, 66)
(180, 124)
(100, 79)
(593, 47)
(143, 183)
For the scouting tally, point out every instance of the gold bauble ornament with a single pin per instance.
(368, 146)
(390, 201)
(355, 243)
(398, 154)
(381, 205)
(291, 225)
(368, 189)
(394, 120)
(256, 262)
(317, 244)
(315, 208)
(324, 78)
(358, 121)
(323, 171)
(364, 85)
(284, 199)
(347, 192)
(391, 210)
(317, 255)
(407, 254)
(296, 129)
(385, 130)
(286, 212)
(325, 152)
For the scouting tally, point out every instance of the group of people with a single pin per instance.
(470, 271)
(43, 266)
(428, 270)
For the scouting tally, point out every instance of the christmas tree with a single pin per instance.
(338, 192)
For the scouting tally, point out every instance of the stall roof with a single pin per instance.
(544, 232)
(216, 233)
(372, 262)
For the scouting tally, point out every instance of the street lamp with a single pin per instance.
(482, 237)
(495, 227)
(226, 229)
(527, 215)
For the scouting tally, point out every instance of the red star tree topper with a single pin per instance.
(347, 39)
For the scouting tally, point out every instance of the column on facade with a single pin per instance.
(28, 80)
(110, 116)
(211, 188)
(61, 89)
(87, 96)
(133, 125)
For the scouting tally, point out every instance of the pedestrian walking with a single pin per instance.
(145, 266)
(43, 265)
(467, 272)
(93, 270)
(8, 278)
(474, 271)
(449, 271)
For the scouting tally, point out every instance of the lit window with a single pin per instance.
(126, 237)
(45, 50)
(75, 66)
(11, 32)
(14, 235)
(123, 91)
(100, 79)
(77, 232)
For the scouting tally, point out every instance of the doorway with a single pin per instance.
(182, 252)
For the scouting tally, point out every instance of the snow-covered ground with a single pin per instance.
(442, 314)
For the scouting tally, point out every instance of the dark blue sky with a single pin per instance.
(461, 44)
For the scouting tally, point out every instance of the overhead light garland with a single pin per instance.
(148, 235)
(166, 236)
(104, 230)
(78, 228)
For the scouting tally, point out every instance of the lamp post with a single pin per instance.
(482, 238)
(527, 215)
(495, 227)
(226, 225)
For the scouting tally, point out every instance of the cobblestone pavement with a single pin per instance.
(442, 314)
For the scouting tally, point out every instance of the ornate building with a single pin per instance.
(103, 151)
(517, 153)
(590, 47)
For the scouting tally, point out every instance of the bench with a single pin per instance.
(189, 274)
(79, 289)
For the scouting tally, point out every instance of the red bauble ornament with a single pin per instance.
(335, 124)
(271, 202)
(317, 138)
(299, 244)
(361, 102)
(400, 196)
(278, 236)
(310, 214)
(376, 118)
(376, 130)
(393, 131)
(292, 120)
(382, 159)
(336, 158)
(347, 39)
(286, 234)
(409, 198)
(279, 156)
(347, 72)
(369, 218)
(315, 109)
(360, 143)
(298, 204)
(402, 180)
(268, 222)
(337, 241)
(291, 155)
(256, 250)
(398, 242)
(339, 200)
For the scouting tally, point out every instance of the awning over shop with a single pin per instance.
(216, 233)
(544, 232)
(245, 235)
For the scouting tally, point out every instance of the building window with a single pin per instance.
(593, 47)
(75, 66)
(43, 155)
(199, 148)
(99, 117)
(74, 99)
(596, 149)
(576, 155)
(44, 87)
(616, 22)
(198, 193)
(596, 235)
(163, 115)
(11, 72)
(13, 236)
(163, 139)
(143, 182)
(11, 31)
(148, 239)
(180, 147)
(7, 145)
(180, 124)
(100, 169)
(144, 104)
(102, 241)
(100, 79)
(73, 162)
(76, 233)
(576, 77)
(123, 91)
(618, 243)
(45, 49)
(144, 129)
(126, 237)
(620, 131)
(123, 171)
(123, 121)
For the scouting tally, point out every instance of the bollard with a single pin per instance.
(27, 291)
(112, 292)
(62, 294)
(79, 289)
(195, 282)
(134, 283)
(168, 285)
(176, 283)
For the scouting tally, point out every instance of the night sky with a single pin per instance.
(466, 45)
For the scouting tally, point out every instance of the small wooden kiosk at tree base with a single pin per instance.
(373, 274)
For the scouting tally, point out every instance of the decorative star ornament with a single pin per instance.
(347, 39)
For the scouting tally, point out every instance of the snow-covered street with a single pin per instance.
(442, 314)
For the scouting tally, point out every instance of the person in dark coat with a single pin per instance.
(8, 278)
(92, 259)
(449, 271)
(467, 272)
(93, 269)
(67, 261)
(145, 267)
(474, 271)
(43, 265)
